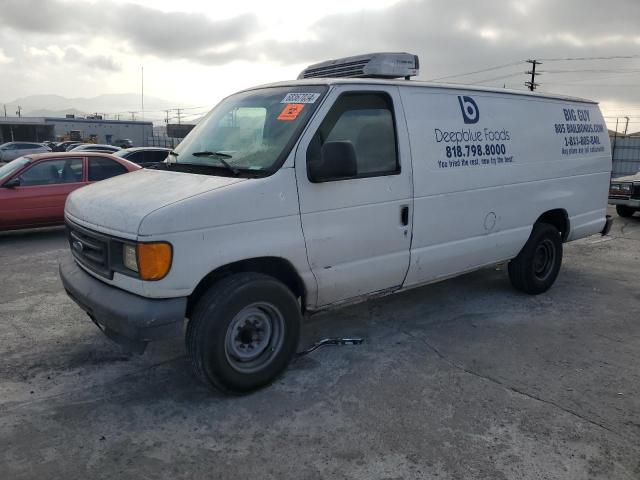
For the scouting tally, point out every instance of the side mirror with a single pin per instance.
(13, 183)
(337, 161)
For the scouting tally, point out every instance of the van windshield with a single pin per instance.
(251, 131)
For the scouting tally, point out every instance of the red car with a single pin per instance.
(33, 188)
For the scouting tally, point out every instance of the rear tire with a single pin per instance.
(243, 332)
(625, 211)
(536, 267)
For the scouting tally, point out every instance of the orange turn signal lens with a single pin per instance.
(154, 260)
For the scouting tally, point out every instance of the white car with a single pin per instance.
(306, 195)
(12, 150)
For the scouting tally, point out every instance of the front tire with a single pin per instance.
(243, 332)
(536, 267)
(625, 211)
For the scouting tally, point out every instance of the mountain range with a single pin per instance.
(110, 104)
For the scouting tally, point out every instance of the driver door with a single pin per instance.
(357, 229)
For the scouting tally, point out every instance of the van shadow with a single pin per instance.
(381, 322)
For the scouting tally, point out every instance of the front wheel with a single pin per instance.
(536, 267)
(625, 211)
(243, 332)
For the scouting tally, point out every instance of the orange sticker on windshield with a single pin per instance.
(290, 111)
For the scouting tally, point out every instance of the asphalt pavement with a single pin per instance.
(462, 379)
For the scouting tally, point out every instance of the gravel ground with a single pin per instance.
(459, 380)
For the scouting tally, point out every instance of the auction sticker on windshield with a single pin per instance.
(300, 97)
(290, 112)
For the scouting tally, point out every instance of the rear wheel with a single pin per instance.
(536, 267)
(625, 211)
(243, 332)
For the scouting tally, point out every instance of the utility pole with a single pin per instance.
(615, 140)
(133, 115)
(5, 109)
(167, 119)
(178, 114)
(19, 111)
(142, 96)
(532, 83)
(626, 126)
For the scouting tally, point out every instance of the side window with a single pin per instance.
(158, 156)
(137, 157)
(53, 172)
(101, 168)
(365, 120)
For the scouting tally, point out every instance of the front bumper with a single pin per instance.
(627, 202)
(128, 319)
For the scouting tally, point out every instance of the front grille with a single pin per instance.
(91, 249)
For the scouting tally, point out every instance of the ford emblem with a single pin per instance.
(78, 246)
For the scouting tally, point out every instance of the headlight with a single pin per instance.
(620, 187)
(130, 257)
(151, 260)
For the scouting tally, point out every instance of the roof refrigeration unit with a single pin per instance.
(372, 65)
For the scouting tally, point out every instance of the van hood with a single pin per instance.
(628, 178)
(121, 203)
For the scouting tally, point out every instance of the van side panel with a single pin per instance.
(487, 165)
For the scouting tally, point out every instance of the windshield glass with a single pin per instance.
(13, 166)
(251, 130)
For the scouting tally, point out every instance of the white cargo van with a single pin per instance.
(304, 195)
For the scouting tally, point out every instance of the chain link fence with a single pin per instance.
(626, 156)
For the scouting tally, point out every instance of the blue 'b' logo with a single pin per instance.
(469, 107)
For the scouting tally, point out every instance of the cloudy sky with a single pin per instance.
(195, 52)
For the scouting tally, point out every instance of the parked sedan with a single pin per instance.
(33, 188)
(63, 146)
(144, 156)
(11, 150)
(94, 147)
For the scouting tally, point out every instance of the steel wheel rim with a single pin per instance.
(254, 336)
(543, 259)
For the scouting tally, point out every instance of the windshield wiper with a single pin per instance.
(212, 154)
(220, 157)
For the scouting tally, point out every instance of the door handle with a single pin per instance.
(404, 215)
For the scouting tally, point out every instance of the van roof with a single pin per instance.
(422, 84)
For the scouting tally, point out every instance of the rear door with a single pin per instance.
(358, 229)
(43, 190)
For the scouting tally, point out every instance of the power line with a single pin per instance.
(490, 69)
(596, 70)
(499, 78)
(506, 65)
(612, 57)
